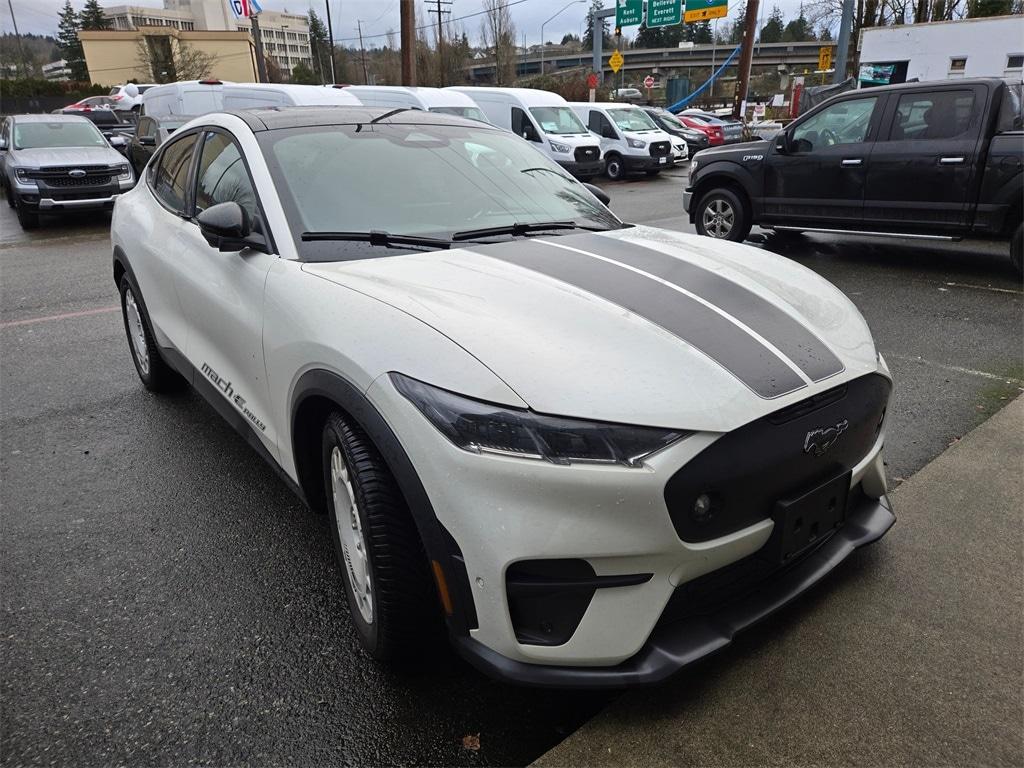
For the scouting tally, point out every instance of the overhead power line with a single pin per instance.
(430, 25)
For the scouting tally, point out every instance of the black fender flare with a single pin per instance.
(320, 385)
(715, 173)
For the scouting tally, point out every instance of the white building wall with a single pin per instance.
(987, 44)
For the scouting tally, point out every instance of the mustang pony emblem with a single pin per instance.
(821, 439)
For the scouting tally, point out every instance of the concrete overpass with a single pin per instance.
(796, 57)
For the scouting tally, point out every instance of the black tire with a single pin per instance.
(8, 194)
(404, 611)
(723, 214)
(155, 374)
(1017, 249)
(27, 217)
(614, 168)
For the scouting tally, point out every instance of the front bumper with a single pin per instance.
(503, 512)
(688, 200)
(675, 645)
(582, 170)
(646, 162)
(44, 197)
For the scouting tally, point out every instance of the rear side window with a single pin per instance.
(171, 175)
(931, 116)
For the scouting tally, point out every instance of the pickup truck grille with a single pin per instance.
(71, 181)
(60, 176)
(587, 154)
(660, 149)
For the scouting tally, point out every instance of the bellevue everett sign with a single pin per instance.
(664, 13)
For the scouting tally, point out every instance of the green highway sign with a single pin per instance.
(664, 13)
(700, 10)
(629, 13)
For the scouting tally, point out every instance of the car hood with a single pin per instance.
(44, 157)
(638, 325)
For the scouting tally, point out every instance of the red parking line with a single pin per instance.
(64, 316)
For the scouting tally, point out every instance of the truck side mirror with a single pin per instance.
(782, 143)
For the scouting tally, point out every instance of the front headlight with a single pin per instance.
(693, 166)
(22, 174)
(636, 143)
(124, 172)
(481, 427)
(559, 147)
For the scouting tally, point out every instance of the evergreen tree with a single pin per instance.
(701, 34)
(771, 32)
(798, 30)
(739, 25)
(319, 46)
(302, 74)
(69, 44)
(979, 8)
(93, 18)
(588, 34)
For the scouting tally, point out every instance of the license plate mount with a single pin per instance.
(662, 160)
(808, 518)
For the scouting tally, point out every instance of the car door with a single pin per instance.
(922, 171)
(158, 234)
(141, 147)
(602, 126)
(818, 177)
(222, 292)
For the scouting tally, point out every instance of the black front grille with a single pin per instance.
(779, 456)
(80, 181)
(660, 148)
(587, 154)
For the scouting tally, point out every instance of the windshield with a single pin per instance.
(473, 113)
(631, 119)
(557, 120)
(37, 135)
(429, 180)
(669, 119)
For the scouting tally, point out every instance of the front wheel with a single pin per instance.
(723, 215)
(155, 374)
(1017, 249)
(614, 168)
(387, 582)
(27, 217)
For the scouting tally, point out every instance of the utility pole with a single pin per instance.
(407, 10)
(843, 44)
(746, 58)
(21, 48)
(257, 36)
(597, 40)
(442, 7)
(330, 41)
(362, 51)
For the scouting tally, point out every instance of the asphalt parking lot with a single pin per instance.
(166, 600)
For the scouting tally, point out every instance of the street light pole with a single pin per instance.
(574, 2)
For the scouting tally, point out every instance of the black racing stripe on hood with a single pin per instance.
(791, 338)
(730, 346)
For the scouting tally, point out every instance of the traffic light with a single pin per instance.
(618, 31)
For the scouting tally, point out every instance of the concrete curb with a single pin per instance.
(912, 653)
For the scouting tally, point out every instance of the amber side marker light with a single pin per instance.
(442, 588)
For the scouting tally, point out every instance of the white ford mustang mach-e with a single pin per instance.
(592, 451)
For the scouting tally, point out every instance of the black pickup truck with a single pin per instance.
(941, 160)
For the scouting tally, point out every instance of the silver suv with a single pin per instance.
(55, 163)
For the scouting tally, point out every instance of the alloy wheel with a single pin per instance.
(718, 218)
(350, 532)
(136, 331)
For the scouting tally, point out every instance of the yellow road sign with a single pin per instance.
(615, 62)
(703, 14)
(825, 57)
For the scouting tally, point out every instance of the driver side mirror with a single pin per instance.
(782, 143)
(117, 141)
(3, 145)
(147, 141)
(599, 193)
(226, 227)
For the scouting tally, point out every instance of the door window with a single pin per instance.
(222, 177)
(523, 126)
(843, 123)
(171, 176)
(938, 115)
(601, 125)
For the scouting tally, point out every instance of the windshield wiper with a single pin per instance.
(549, 170)
(377, 237)
(516, 230)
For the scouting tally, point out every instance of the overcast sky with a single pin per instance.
(378, 16)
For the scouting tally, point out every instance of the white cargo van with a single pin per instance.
(445, 100)
(630, 141)
(200, 97)
(544, 118)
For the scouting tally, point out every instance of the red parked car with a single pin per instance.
(715, 134)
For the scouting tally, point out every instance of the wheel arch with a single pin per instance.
(722, 174)
(319, 392)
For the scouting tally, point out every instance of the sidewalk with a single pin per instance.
(911, 653)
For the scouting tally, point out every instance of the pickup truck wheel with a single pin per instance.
(614, 168)
(387, 582)
(155, 374)
(27, 218)
(723, 215)
(9, 195)
(1017, 249)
